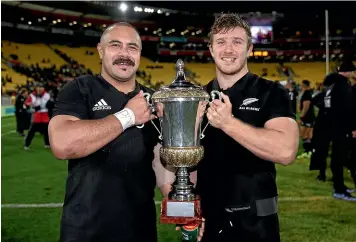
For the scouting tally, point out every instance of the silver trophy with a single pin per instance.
(180, 107)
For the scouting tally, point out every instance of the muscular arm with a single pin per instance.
(277, 141)
(72, 138)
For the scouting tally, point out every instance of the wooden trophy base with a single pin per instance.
(178, 212)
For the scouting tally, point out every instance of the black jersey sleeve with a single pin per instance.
(70, 101)
(308, 96)
(279, 103)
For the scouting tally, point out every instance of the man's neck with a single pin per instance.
(125, 87)
(226, 81)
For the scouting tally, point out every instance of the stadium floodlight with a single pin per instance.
(149, 10)
(123, 7)
(137, 9)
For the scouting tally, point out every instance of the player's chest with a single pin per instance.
(102, 104)
(250, 108)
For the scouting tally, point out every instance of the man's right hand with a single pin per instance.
(140, 108)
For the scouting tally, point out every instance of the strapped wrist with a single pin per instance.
(126, 118)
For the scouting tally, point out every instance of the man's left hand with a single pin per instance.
(220, 113)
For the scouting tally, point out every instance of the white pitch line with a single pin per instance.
(58, 205)
(40, 205)
(9, 132)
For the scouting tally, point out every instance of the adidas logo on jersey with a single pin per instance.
(101, 105)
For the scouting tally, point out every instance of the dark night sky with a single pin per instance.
(218, 6)
(299, 13)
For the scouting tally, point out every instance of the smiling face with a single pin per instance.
(230, 50)
(120, 51)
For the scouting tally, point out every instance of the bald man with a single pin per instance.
(97, 126)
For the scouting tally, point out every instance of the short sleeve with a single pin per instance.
(308, 96)
(279, 103)
(70, 101)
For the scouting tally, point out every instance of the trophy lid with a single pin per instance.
(180, 89)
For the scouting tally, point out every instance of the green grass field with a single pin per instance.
(308, 213)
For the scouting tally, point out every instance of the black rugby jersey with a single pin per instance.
(293, 95)
(110, 193)
(307, 96)
(227, 173)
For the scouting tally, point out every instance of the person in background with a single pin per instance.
(307, 117)
(37, 101)
(320, 130)
(293, 94)
(338, 118)
(352, 160)
(22, 119)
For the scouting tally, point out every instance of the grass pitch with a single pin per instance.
(308, 213)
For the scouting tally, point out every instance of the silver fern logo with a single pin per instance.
(246, 104)
(249, 101)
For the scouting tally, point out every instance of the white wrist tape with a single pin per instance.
(126, 118)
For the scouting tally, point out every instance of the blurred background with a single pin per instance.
(48, 44)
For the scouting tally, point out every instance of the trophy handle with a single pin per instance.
(213, 96)
(147, 96)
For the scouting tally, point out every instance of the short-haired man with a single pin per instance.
(250, 130)
(338, 118)
(110, 185)
(307, 116)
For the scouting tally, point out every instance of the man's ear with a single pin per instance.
(250, 49)
(211, 50)
(100, 50)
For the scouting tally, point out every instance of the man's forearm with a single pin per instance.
(265, 143)
(304, 111)
(80, 138)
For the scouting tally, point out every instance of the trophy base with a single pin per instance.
(180, 212)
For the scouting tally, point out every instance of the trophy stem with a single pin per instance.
(183, 189)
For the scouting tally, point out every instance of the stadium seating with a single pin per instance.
(37, 53)
(91, 61)
(17, 79)
(159, 72)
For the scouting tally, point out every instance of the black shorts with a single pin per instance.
(242, 226)
(307, 122)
